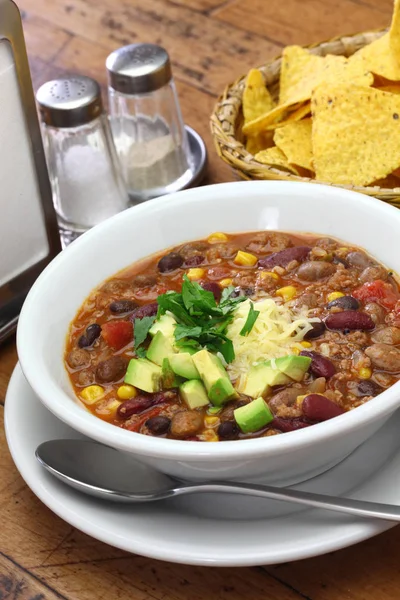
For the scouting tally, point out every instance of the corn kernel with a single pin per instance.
(210, 436)
(334, 296)
(266, 274)
(194, 274)
(126, 391)
(211, 421)
(245, 259)
(92, 393)
(287, 293)
(300, 399)
(108, 407)
(365, 373)
(217, 237)
(306, 344)
(295, 350)
(225, 282)
(343, 249)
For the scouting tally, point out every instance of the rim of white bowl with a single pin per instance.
(85, 422)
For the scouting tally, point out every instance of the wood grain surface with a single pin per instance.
(210, 42)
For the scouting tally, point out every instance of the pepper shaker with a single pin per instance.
(86, 181)
(152, 142)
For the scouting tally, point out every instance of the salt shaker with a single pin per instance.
(83, 166)
(149, 133)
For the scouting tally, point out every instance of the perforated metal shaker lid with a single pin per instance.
(138, 68)
(70, 101)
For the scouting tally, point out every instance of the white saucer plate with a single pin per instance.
(212, 529)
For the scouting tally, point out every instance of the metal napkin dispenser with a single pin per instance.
(29, 236)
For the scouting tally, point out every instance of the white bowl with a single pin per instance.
(167, 221)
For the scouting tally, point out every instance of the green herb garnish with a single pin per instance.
(141, 329)
(251, 319)
(201, 321)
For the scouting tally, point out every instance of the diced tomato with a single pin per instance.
(377, 291)
(136, 424)
(117, 334)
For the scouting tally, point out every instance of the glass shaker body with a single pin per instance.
(151, 141)
(87, 186)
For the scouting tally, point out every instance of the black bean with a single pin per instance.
(90, 336)
(213, 288)
(111, 369)
(340, 261)
(193, 261)
(170, 262)
(242, 291)
(148, 310)
(367, 387)
(122, 306)
(317, 330)
(228, 430)
(158, 425)
(345, 302)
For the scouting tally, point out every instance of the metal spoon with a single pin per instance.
(103, 472)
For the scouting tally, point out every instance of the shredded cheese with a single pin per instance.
(277, 332)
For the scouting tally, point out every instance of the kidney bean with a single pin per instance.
(90, 336)
(286, 425)
(314, 270)
(316, 331)
(376, 312)
(170, 262)
(284, 257)
(370, 274)
(148, 310)
(345, 302)
(158, 425)
(320, 365)
(368, 387)
(387, 335)
(319, 408)
(214, 288)
(144, 280)
(186, 423)
(111, 369)
(384, 357)
(122, 306)
(228, 430)
(358, 259)
(77, 358)
(349, 319)
(193, 261)
(138, 404)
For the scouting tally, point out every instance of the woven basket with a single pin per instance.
(227, 119)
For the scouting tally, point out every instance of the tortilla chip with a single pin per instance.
(378, 58)
(355, 134)
(274, 157)
(390, 89)
(256, 98)
(295, 142)
(271, 119)
(303, 72)
(296, 115)
(394, 33)
(259, 142)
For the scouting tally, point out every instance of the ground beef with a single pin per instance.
(269, 241)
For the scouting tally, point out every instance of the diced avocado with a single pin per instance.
(143, 374)
(259, 379)
(160, 348)
(293, 366)
(214, 377)
(253, 416)
(169, 378)
(194, 394)
(188, 349)
(182, 364)
(165, 324)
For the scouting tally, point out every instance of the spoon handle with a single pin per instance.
(361, 508)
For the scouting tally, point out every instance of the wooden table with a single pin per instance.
(211, 42)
